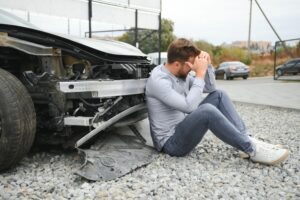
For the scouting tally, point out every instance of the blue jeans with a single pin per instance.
(216, 113)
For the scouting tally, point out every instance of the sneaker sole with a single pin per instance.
(283, 158)
(243, 155)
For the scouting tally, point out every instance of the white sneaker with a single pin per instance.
(259, 142)
(271, 146)
(269, 156)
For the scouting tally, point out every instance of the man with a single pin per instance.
(179, 116)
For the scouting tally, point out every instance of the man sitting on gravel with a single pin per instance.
(179, 116)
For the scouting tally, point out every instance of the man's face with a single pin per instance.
(185, 69)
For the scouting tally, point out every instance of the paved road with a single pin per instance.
(264, 91)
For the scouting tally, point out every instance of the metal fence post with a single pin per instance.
(159, 38)
(90, 17)
(136, 44)
(275, 55)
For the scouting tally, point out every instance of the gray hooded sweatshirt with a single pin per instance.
(170, 99)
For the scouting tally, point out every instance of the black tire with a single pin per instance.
(279, 72)
(17, 120)
(245, 77)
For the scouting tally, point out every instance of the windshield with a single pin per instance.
(236, 63)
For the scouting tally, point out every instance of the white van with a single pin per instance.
(154, 57)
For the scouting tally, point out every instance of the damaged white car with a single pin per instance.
(63, 90)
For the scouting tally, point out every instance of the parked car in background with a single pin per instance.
(233, 69)
(154, 58)
(290, 67)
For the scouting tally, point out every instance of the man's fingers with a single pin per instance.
(205, 55)
(209, 60)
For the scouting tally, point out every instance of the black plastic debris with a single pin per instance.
(115, 156)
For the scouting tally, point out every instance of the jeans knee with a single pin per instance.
(220, 92)
(207, 108)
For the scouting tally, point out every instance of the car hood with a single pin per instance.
(107, 46)
(13, 24)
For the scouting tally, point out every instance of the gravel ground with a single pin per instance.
(212, 171)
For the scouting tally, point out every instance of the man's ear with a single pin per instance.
(177, 64)
(189, 64)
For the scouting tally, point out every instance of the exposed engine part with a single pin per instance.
(89, 104)
(101, 83)
(34, 79)
(80, 108)
(78, 121)
(77, 69)
(103, 110)
(103, 125)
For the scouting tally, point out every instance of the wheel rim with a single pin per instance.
(279, 72)
(225, 76)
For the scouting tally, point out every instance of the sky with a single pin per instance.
(218, 21)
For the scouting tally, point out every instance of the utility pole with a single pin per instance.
(249, 34)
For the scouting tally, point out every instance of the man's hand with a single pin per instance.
(205, 55)
(200, 64)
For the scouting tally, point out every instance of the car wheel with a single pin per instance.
(225, 77)
(245, 77)
(279, 72)
(17, 120)
(216, 75)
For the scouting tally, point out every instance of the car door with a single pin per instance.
(289, 67)
(297, 67)
(219, 71)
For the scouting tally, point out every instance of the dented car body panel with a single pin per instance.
(79, 86)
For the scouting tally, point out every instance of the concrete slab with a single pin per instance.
(264, 90)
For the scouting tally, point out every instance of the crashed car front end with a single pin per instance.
(79, 87)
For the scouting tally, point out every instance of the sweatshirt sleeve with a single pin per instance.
(161, 89)
(210, 80)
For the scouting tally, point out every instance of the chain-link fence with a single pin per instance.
(287, 60)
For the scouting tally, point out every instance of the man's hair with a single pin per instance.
(181, 50)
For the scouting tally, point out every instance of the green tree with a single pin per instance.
(148, 39)
(235, 54)
(216, 54)
(204, 46)
(298, 49)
